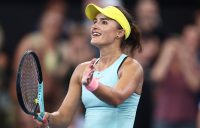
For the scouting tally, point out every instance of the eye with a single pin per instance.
(104, 22)
(94, 21)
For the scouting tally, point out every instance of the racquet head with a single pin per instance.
(29, 76)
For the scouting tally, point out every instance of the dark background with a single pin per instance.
(20, 17)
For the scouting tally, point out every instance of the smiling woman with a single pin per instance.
(111, 85)
(105, 35)
(121, 19)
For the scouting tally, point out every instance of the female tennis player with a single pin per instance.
(110, 86)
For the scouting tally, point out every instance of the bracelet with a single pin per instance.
(94, 84)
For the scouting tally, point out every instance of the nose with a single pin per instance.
(94, 26)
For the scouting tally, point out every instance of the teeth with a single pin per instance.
(96, 34)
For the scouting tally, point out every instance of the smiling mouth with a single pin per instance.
(95, 34)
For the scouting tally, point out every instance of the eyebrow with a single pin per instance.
(103, 18)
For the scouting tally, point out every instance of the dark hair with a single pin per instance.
(133, 41)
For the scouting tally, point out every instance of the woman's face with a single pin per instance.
(104, 30)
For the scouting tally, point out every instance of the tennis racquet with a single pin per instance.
(29, 85)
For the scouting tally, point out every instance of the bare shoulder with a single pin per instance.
(132, 64)
(84, 65)
(132, 68)
(80, 69)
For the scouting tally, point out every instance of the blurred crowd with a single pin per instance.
(171, 62)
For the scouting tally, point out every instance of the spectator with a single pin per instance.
(151, 45)
(197, 23)
(148, 18)
(177, 75)
(74, 51)
(103, 3)
(44, 42)
(6, 109)
(197, 20)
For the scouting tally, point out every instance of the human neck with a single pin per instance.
(109, 56)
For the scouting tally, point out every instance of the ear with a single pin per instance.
(120, 33)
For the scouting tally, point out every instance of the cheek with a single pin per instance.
(104, 39)
(109, 35)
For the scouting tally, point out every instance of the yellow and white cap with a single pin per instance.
(112, 12)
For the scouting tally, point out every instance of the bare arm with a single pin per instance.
(130, 81)
(162, 65)
(190, 68)
(71, 103)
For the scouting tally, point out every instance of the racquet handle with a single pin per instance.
(40, 117)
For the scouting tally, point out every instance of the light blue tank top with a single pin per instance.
(102, 115)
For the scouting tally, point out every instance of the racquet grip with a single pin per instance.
(39, 117)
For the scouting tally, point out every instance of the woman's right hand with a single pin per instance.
(88, 74)
(45, 121)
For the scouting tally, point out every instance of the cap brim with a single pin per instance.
(111, 12)
(92, 10)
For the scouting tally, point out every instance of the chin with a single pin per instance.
(94, 43)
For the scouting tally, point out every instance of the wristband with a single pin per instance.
(94, 84)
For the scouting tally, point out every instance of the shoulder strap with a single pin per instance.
(121, 63)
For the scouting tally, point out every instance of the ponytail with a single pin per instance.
(132, 43)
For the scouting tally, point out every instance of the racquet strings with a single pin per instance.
(29, 83)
